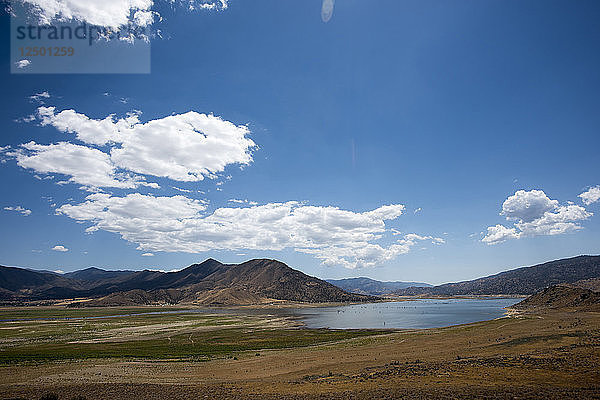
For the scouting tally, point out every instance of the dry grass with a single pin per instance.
(552, 355)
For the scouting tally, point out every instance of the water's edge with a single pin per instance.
(408, 314)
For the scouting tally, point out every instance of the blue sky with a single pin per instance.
(458, 111)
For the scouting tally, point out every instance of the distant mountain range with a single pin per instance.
(93, 274)
(372, 287)
(520, 281)
(264, 281)
(211, 282)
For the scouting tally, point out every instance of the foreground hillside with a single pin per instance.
(581, 295)
(211, 283)
(520, 281)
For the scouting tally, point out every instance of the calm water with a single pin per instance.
(414, 314)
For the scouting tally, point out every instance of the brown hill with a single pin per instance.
(213, 283)
(592, 284)
(210, 282)
(561, 297)
(520, 281)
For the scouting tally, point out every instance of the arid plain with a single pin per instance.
(551, 354)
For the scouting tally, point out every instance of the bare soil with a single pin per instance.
(552, 355)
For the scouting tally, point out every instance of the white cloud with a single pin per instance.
(148, 255)
(27, 119)
(412, 238)
(535, 214)
(19, 209)
(527, 205)
(327, 10)
(60, 248)
(40, 96)
(182, 147)
(91, 131)
(22, 64)
(177, 224)
(499, 233)
(86, 166)
(109, 13)
(245, 201)
(182, 190)
(590, 196)
(563, 219)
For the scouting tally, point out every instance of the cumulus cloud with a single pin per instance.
(534, 213)
(86, 166)
(182, 147)
(178, 224)
(109, 13)
(60, 248)
(500, 233)
(590, 196)
(527, 205)
(564, 219)
(19, 209)
(91, 131)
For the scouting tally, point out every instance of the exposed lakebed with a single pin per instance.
(410, 314)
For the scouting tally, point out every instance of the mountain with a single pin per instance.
(372, 287)
(211, 282)
(24, 283)
(96, 274)
(520, 281)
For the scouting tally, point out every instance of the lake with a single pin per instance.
(413, 314)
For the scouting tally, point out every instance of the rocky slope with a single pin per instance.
(210, 282)
(520, 281)
(581, 295)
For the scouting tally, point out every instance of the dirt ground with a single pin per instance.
(552, 356)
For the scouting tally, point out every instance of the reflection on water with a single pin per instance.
(414, 314)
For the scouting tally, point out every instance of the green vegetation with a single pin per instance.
(63, 312)
(197, 346)
(185, 335)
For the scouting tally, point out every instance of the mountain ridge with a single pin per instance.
(364, 285)
(519, 281)
(209, 282)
